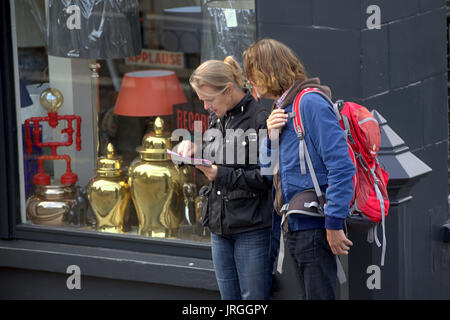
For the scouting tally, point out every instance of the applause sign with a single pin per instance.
(158, 58)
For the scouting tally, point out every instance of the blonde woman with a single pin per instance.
(239, 206)
(276, 73)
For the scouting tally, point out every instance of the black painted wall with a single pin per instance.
(19, 284)
(401, 71)
(40, 270)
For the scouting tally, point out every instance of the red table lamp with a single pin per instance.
(149, 93)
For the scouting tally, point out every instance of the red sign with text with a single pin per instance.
(186, 114)
(158, 58)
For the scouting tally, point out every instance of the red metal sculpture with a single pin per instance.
(52, 99)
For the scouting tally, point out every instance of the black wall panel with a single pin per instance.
(401, 71)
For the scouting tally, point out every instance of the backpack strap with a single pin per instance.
(348, 132)
(303, 149)
(298, 124)
(380, 199)
(371, 173)
(299, 130)
(304, 154)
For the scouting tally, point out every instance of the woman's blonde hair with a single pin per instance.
(218, 75)
(272, 66)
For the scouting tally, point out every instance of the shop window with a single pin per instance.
(102, 85)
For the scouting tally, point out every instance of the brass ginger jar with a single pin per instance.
(109, 193)
(51, 205)
(157, 186)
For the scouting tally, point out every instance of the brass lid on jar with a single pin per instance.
(155, 144)
(111, 164)
(56, 191)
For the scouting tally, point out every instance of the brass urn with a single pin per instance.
(109, 193)
(51, 205)
(157, 186)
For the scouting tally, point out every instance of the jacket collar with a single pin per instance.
(299, 86)
(241, 105)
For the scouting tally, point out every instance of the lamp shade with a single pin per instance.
(92, 29)
(149, 93)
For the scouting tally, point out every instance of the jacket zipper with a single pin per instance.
(226, 123)
(224, 126)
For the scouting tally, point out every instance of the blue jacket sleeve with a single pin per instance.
(328, 138)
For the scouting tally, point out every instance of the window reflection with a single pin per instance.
(125, 182)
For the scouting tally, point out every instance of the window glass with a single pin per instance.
(103, 84)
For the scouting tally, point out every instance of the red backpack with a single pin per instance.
(370, 198)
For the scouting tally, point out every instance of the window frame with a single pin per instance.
(10, 196)
(9, 169)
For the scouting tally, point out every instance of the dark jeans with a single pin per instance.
(315, 264)
(242, 264)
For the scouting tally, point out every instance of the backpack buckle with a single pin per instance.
(284, 208)
(300, 135)
(340, 105)
(350, 137)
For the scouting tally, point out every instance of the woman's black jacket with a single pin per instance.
(240, 198)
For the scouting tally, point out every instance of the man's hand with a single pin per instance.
(275, 122)
(210, 172)
(338, 241)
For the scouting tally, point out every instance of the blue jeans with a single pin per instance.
(315, 264)
(242, 264)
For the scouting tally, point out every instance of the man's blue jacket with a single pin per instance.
(328, 150)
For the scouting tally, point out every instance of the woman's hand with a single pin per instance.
(210, 172)
(275, 122)
(186, 148)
